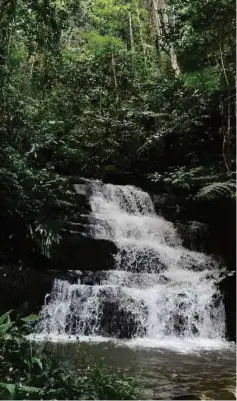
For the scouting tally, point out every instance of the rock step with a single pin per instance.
(134, 280)
(77, 252)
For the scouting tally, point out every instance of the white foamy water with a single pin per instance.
(159, 295)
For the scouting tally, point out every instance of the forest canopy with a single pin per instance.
(91, 86)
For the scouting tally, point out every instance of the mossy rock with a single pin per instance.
(227, 394)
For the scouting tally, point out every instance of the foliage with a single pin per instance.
(202, 183)
(217, 189)
(190, 179)
(91, 84)
(30, 371)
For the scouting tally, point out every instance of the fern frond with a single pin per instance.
(216, 189)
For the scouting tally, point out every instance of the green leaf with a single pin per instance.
(11, 388)
(5, 317)
(5, 327)
(216, 189)
(5, 323)
(30, 318)
(37, 361)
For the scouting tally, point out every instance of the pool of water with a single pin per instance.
(165, 373)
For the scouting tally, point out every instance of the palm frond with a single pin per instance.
(216, 190)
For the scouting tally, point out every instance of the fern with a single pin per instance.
(216, 190)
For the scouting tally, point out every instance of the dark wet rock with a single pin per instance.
(203, 226)
(72, 276)
(179, 324)
(24, 288)
(76, 253)
(228, 290)
(118, 322)
(226, 395)
(143, 261)
(194, 234)
(92, 278)
(110, 320)
(169, 205)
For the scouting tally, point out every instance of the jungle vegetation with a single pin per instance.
(91, 87)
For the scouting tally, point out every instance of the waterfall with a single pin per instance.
(158, 291)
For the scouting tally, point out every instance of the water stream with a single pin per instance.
(159, 295)
(158, 314)
(164, 373)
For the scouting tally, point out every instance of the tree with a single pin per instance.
(136, 86)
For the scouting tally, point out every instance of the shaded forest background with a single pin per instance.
(136, 88)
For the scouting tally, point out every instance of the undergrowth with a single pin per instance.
(30, 371)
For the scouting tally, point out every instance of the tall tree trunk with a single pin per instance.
(173, 56)
(131, 31)
(162, 28)
(174, 61)
(141, 35)
(7, 17)
(226, 129)
(157, 21)
(114, 71)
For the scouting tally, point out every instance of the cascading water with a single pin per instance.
(159, 290)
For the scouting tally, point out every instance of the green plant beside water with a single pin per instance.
(30, 371)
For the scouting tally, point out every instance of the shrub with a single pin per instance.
(30, 371)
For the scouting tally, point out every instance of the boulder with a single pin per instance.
(23, 289)
(228, 289)
(118, 322)
(194, 234)
(77, 253)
